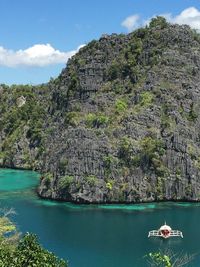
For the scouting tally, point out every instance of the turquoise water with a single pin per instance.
(98, 236)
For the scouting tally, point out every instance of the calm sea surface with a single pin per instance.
(98, 236)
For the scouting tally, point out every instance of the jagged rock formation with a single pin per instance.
(120, 124)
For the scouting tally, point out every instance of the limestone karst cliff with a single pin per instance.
(121, 123)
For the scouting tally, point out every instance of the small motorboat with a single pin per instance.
(165, 231)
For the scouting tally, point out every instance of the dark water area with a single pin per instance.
(98, 235)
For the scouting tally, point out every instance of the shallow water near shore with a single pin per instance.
(98, 235)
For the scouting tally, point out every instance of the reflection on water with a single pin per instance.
(98, 235)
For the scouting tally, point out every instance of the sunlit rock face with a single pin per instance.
(119, 124)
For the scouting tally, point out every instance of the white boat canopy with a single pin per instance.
(165, 231)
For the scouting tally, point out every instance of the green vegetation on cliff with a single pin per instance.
(119, 124)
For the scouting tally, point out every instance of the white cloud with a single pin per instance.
(131, 22)
(38, 55)
(189, 16)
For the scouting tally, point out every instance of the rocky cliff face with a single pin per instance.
(120, 124)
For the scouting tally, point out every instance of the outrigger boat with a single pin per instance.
(165, 231)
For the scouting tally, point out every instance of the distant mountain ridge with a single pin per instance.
(119, 124)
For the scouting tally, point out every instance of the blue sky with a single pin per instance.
(38, 36)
